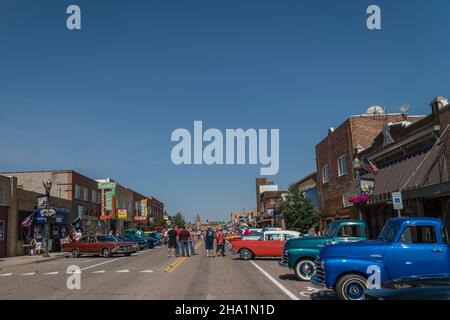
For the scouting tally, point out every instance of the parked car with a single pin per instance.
(299, 254)
(141, 242)
(151, 242)
(257, 236)
(105, 246)
(269, 245)
(156, 236)
(416, 288)
(407, 247)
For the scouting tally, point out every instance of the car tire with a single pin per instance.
(128, 254)
(304, 269)
(75, 253)
(351, 287)
(246, 254)
(106, 252)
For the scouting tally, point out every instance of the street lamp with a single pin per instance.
(48, 187)
(357, 170)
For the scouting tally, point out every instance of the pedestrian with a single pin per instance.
(38, 238)
(192, 240)
(172, 242)
(78, 235)
(220, 249)
(177, 230)
(209, 242)
(184, 236)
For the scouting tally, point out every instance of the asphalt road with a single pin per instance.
(151, 275)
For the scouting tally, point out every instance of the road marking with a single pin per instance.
(28, 274)
(122, 271)
(102, 263)
(146, 271)
(5, 275)
(100, 271)
(174, 265)
(49, 273)
(279, 285)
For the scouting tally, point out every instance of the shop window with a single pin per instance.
(85, 194)
(94, 196)
(2, 230)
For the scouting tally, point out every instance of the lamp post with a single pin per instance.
(48, 187)
(357, 170)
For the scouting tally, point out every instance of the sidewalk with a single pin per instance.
(22, 260)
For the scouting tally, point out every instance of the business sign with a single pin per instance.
(42, 202)
(144, 207)
(268, 187)
(397, 200)
(139, 218)
(48, 212)
(109, 190)
(108, 200)
(367, 186)
(122, 214)
(107, 185)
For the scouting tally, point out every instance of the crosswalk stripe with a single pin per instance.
(28, 274)
(122, 271)
(100, 271)
(146, 271)
(5, 274)
(54, 272)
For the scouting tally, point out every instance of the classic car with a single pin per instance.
(105, 246)
(416, 288)
(257, 236)
(140, 241)
(269, 245)
(299, 254)
(407, 247)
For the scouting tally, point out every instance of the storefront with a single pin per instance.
(3, 225)
(59, 225)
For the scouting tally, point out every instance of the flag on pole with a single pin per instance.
(28, 221)
(77, 224)
(369, 166)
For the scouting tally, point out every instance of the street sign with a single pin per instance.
(397, 200)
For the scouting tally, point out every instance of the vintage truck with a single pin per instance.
(299, 254)
(406, 248)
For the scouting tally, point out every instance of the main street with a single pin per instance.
(151, 275)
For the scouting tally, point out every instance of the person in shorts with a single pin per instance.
(172, 244)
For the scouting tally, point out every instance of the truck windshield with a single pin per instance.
(389, 231)
(332, 229)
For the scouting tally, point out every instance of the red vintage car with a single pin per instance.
(268, 245)
(105, 246)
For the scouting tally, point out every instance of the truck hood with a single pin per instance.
(369, 249)
(306, 242)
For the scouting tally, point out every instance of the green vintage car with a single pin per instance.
(299, 254)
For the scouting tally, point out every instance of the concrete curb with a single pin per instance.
(31, 262)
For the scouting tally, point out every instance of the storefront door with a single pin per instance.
(3, 226)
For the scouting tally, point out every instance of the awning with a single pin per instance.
(425, 169)
(62, 216)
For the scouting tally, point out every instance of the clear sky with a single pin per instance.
(104, 100)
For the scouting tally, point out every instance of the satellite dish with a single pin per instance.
(404, 108)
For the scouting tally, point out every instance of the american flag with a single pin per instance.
(28, 221)
(369, 166)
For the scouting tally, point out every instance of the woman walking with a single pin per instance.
(209, 242)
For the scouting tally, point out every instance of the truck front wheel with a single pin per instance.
(351, 287)
(304, 269)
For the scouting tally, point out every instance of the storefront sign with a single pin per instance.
(108, 200)
(107, 185)
(144, 208)
(42, 202)
(139, 218)
(122, 214)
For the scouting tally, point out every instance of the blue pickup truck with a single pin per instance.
(406, 248)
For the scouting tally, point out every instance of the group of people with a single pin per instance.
(181, 242)
(219, 237)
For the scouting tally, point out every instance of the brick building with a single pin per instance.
(334, 155)
(414, 159)
(70, 185)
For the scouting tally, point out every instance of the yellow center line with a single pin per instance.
(179, 261)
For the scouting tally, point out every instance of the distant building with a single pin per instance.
(308, 185)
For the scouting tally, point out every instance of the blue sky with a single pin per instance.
(105, 100)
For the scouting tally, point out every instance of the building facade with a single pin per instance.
(308, 185)
(334, 154)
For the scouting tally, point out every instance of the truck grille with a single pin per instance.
(319, 276)
(284, 257)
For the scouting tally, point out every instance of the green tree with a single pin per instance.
(299, 213)
(161, 222)
(178, 220)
